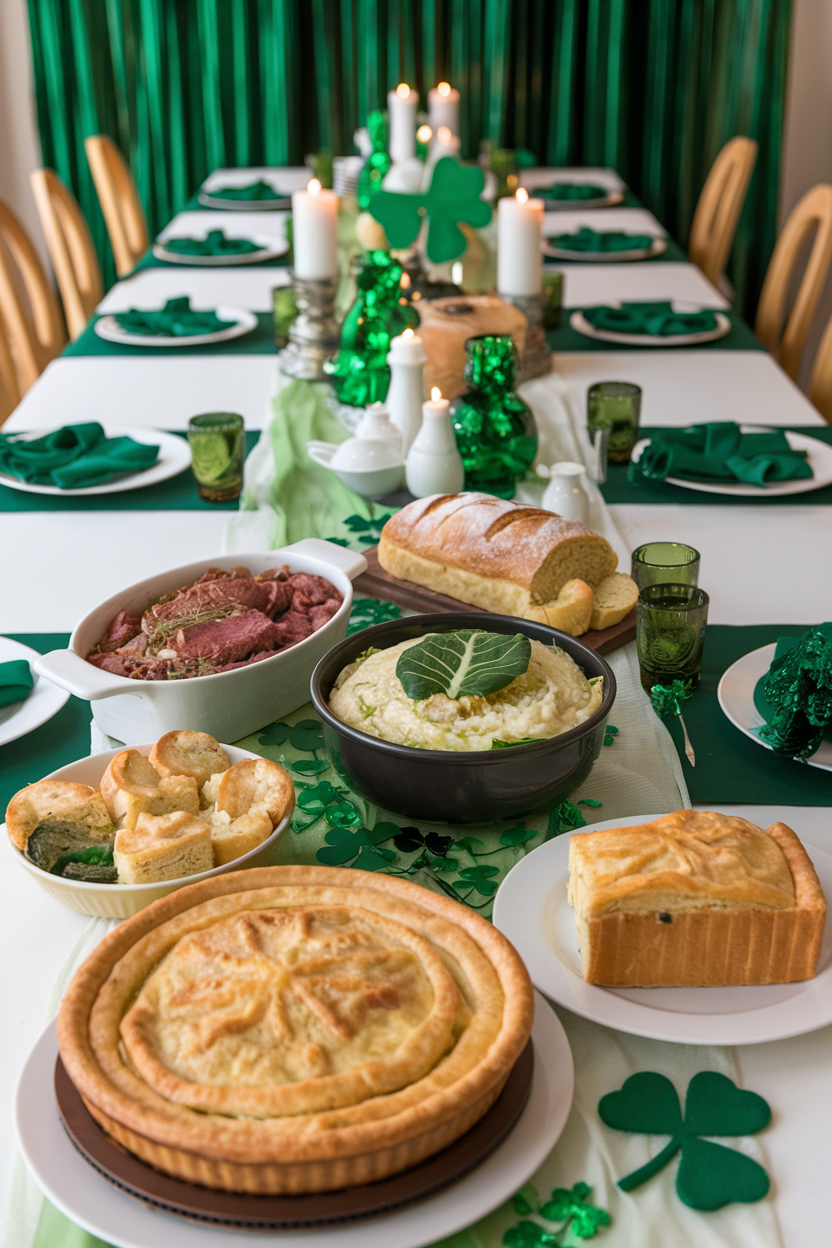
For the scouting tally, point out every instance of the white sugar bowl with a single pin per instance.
(565, 493)
(371, 461)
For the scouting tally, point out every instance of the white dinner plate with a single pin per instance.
(723, 326)
(818, 454)
(43, 702)
(88, 1199)
(244, 205)
(241, 322)
(736, 698)
(532, 911)
(571, 205)
(656, 248)
(268, 249)
(174, 457)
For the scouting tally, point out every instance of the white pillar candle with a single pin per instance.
(519, 255)
(442, 144)
(434, 464)
(443, 107)
(407, 359)
(314, 232)
(401, 109)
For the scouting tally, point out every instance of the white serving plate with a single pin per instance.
(120, 901)
(723, 326)
(243, 322)
(174, 457)
(243, 205)
(656, 248)
(43, 702)
(228, 705)
(532, 911)
(571, 205)
(88, 1199)
(270, 249)
(819, 456)
(736, 698)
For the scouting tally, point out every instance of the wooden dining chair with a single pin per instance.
(786, 337)
(29, 309)
(119, 201)
(9, 393)
(70, 248)
(820, 383)
(719, 206)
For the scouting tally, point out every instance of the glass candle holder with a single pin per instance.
(670, 634)
(615, 405)
(218, 444)
(659, 563)
(285, 311)
(553, 290)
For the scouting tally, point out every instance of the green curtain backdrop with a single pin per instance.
(652, 87)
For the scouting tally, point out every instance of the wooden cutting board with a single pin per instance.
(376, 583)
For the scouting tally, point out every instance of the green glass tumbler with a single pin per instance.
(218, 445)
(670, 634)
(553, 292)
(658, 563)
(615, 405)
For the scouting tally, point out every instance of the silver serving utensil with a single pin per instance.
(691, 757)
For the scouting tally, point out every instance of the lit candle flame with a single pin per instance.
(403, 91)
(424, 134)
(444, 88)
(435, 394)
(444, 135)
(522, 195)
(408, 333)
(314, 186)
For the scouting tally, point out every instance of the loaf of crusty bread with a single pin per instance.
(499, 555)
(695, 898)
(163, 847)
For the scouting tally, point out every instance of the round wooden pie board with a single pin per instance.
(291, 1213)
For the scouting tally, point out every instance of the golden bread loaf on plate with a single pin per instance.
(695, 898)
(509, 558)
(295, 1029)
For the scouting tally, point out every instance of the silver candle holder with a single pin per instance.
(536, 359)
(314, 335)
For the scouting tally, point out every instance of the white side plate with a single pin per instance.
(269, 249)
(88, 1199)
(43, 702)
(243, 205)
(723, 326)
(736, 698)
(174, 457)
(532, 911)
(241, 322)
(657, 248)
(818, 454)
(570, 205)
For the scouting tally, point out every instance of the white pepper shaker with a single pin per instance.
(565, 494)
(434, 464)
(406, 395)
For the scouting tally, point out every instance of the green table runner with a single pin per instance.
(259, 342)
(178, 493)
(730, 767)
(568, 339)
(618, 489)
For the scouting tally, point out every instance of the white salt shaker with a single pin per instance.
(565, 494)
(406, 395)
(434, 464)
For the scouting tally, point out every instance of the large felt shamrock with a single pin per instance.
(709, 1175)
(353, 847)
(454, 196)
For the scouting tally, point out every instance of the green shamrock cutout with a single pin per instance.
(367, 611)
(309, 766)
(566, 817)
(352, 847)
(517, 835)
(709, 1175)
(306, 735)
(453, 196)
(566, 1205)
(317, 798)
(478, 879)
(408, 840)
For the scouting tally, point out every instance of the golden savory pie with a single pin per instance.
(295, 1029)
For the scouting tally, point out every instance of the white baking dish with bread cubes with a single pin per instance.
(229, 704)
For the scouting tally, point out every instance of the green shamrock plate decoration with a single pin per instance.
(453, 196)
(709, 1175)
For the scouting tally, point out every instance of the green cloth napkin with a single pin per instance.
(175, 320)
(586, 239)
(572, 191)
(719, 451)
(654, 318)
(73, 457)
(214, 244)
(254, 190)
(16, 681)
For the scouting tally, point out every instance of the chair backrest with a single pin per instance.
(119, 201)
(820, 385)
(813, 211)
(70, 248)
(29, 310)
(9, 393)
(720, 204)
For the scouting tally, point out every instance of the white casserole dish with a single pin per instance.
(228, 705)
(120, 901)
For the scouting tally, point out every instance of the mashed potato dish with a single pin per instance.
(550, 697)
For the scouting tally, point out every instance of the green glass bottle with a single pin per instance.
(377, 163)
(494, 428)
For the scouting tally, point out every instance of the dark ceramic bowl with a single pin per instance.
(445, 786)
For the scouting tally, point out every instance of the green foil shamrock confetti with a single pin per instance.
(709, 1175)
(453, 196)
(799, 688)
(567, 1206)
(668, 699)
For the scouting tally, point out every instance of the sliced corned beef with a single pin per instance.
(122, 629)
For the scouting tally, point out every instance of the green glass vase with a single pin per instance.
(495, 430)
